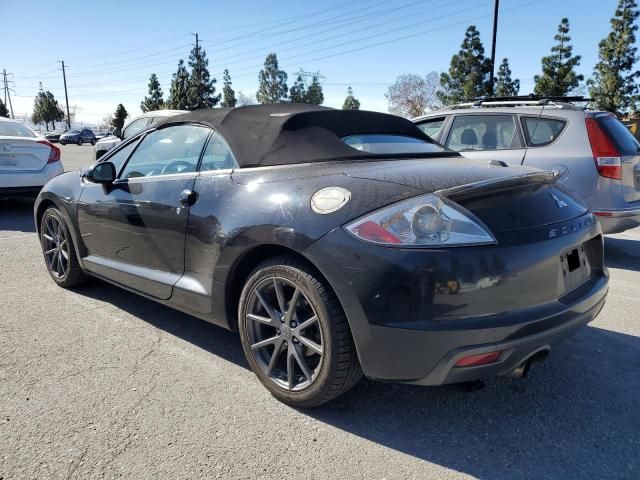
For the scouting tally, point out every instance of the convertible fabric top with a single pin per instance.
(288, 133)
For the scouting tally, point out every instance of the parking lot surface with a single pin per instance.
(101, 383)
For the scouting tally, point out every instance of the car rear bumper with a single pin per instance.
(618, 220)
(18, 182)
(414, 313)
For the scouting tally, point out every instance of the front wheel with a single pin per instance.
(80, 141)
(59, 252)
(295, 334)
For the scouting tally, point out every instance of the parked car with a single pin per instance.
(336, 242)
(138, 124)
(27, 161)
(54, 135)
(100, 134)
(78, 137)
(595, 154)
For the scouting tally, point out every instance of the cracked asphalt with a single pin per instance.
(101, 383)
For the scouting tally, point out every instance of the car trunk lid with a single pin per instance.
(22, 154)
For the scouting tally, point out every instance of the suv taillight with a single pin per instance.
(54, 154)
(605, 154)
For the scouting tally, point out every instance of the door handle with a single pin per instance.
(188, 198)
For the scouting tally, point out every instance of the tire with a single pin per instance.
(93, 141)
(66, 272)
(324, 345)
(80, 142)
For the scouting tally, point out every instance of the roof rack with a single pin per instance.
(528, 100)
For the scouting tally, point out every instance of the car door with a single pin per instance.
(488, 136)
(134, 229)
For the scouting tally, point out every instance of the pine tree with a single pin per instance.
(46, 109)
(350, 103)
(314, 94)
(613, 85)
(154, 101)
(505, 86)
(272, 86)
(228, 95)
(178, 94)
(3, 110)
(298, 91)
(119, 117)
(558, 76)
(202, 90)
(469, 71)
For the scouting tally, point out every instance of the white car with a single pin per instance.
(27, 161)
(136, 125)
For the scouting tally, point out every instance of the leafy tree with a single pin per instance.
(314, 94)
(558, 76)
(202, 91)
(119, 117)
(505, 86)
(178, 93)
(351, 102)
(613, 85)
(3, 110)
(469, 71)
(46, 109)
(272, 86)
(412, 95)
(154, 101)
(298, 91)
(244, 100)
(228, 95)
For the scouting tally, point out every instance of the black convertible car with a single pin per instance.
(338, 243)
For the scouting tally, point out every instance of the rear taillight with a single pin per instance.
(605, 154)
(54, 154)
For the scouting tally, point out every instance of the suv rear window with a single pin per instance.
(626, 143)
(541, 131)
(385, 143)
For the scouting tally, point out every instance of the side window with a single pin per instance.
(481, 132)
(135, 127)
(217, 155)
(432, 126)
(119, 157)
(167, 151)
(541, 131)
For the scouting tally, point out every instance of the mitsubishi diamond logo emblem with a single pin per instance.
(559, 203)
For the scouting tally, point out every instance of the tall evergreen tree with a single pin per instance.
(119, 117)
(178, 93)
(228, 94)
(46, 109)
(505, 86)
(154, 101)
(202, 90)
(351, 102)
(298, 91)
(469, 71)
(614, 81)
(558, 76)
(314, 94)
(272, 86)
(4, 112)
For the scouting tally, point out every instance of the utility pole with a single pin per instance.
(66, 96)
(7, 94)
(199, 84)
(496, 6)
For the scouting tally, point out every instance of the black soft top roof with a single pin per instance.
(282, 134)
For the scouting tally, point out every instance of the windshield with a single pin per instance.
(13, 129)
(385, 144)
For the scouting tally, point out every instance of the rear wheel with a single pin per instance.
(295, 334)
(93, 141)
(80, 141)
(58, 249)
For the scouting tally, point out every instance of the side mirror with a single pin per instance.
(104, 172)
(118, 133)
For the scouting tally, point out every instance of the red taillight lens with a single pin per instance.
(375, 233)
(605, 153)
(479, 359)
(54, 154)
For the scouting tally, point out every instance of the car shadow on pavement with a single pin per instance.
(575, 416)
(623, 253)
(16, 214)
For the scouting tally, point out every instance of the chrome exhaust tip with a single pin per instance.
(522, 370)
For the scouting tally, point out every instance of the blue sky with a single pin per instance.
(111, 49)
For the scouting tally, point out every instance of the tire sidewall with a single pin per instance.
(328, 367)
(53, 212)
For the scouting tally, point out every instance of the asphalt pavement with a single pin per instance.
(101, 383)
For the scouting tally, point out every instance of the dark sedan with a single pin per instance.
(54, 135)
(78, 137)
(336, 242)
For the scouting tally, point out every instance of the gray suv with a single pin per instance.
(593, 152)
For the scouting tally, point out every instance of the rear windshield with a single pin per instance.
(621, 136)
(12, 129)
(384, 144)
(73, 131)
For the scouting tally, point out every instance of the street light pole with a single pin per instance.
(496, 7)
